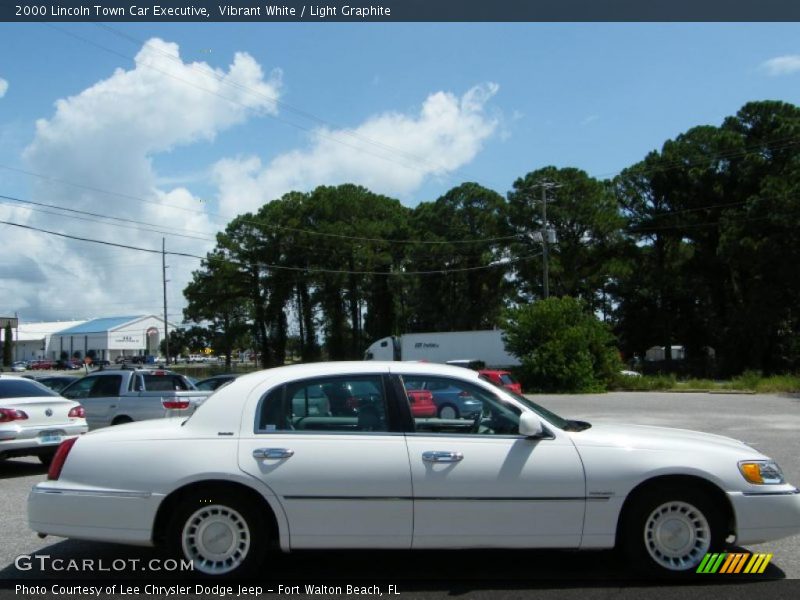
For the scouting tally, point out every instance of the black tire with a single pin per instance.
(47, 457)
(121, 421)
(219, 520)
(444, 407)
(667, 531)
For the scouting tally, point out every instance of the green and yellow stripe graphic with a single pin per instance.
(734, 563)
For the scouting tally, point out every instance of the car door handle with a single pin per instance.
(437, 456)
(272, 453)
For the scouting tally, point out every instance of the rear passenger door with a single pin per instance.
(333, 451)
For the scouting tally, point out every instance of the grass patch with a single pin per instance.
(749, 381)
(645, 383)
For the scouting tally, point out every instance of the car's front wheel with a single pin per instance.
(668, 531)
(222, 534)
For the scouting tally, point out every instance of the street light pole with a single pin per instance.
(546, 185)
(164, 278)
(545, 268)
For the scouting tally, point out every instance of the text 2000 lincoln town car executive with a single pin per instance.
(330, 455)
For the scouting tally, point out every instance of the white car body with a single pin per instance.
(565, 489)
(46, 422)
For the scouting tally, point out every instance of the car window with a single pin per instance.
(164, 383)
(106, 385)
(79, 389)
(331, 404)
(507, 379)
(463, 408)
(14, 388)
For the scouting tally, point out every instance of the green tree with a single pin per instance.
(584, 214)
(460, 234)
(563, 347)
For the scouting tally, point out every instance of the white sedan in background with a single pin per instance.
(34, 419)
(263, 463)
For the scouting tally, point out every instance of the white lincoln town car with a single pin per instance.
(329, 455)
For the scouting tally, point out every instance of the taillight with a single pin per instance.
(77, 413)
(174, 403)
(54, 472)
(12, 414)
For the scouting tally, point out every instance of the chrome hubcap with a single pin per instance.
(448, 412)
(677, 536)
(216, 538)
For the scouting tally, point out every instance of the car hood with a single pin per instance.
(647, 437)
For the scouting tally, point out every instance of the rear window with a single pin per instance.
(507, 379)
(165, 383)
(16, 388)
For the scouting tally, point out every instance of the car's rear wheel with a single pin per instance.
(668, 531)
(222, 534)
(121, 420)
(448, 411)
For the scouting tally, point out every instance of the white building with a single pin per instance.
(32, 340)
(110, 337)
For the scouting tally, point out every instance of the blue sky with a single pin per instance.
(512, 97)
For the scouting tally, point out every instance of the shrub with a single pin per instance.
(562, 346)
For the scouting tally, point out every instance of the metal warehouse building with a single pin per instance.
(109, 338)
(32, 340)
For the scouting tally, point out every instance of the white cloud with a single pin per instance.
(105, 138)
(3, 87)
(782, 65)
(390, 153)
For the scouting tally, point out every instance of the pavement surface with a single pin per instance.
(771, 423)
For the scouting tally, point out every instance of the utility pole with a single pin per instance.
(164, 278)
(546, 185)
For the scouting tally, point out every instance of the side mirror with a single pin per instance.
(530, 426)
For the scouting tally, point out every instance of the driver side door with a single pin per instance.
(477, 482)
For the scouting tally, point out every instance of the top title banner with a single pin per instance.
(400, 10)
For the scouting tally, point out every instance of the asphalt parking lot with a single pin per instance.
(771, 423)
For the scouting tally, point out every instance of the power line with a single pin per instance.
(259, 224)
(442, 271)
(137, 225)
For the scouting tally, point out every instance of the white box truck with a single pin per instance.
(445, 347)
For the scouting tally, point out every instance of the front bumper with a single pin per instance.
(766, 516)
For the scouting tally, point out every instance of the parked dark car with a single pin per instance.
(54, 382)
(68, 365)
(215, 382)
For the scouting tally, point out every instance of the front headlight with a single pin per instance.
(761, 472)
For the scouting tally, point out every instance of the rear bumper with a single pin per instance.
(102, 515)
(765, 517)
(28, 441)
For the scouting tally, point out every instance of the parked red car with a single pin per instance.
(422, 404)
(42, 365)
(503, 379)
